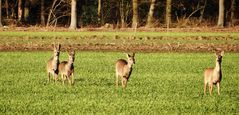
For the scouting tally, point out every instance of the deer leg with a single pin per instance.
(124, 82)
(55, 77)
(205, 88)
(49, 76)
(218, 88)
(69, 80)
(62, 77)
(72, 78)
(116, 80)
(210, 88)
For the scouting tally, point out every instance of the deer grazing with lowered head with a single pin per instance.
(66, 68)
(53, 62)
(213, 76)
(124, 69)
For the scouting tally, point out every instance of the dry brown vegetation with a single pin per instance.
(146, 43)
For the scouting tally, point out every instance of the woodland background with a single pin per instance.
(120, 13)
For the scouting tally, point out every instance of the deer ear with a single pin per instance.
(59, 46)
(222, 53)
(73, 52)
(128, 55)
(68, 52)
(133, 54)
(53, 45)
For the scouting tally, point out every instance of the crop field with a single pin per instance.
(161, 83)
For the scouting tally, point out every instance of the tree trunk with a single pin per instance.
(150, 15)
(19, 11)
(0, 13)
(168, 13)
(42, 13)
(233, 11)
(122, 14)
(99, 11)
(135, 14)
(21, 5)
(27, 8)
(73, 15)
(220, 22)
(6, 5)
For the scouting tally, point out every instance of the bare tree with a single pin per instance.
(220, 22)
(42, 12)
(135, 14)
(168, 13)
(0, 13)
(202, 11)
(73, 24)
(51, 12)
(54, 14)
(150, 14)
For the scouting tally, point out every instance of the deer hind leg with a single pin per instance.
(218, 88)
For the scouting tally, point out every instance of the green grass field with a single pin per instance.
(161, 83)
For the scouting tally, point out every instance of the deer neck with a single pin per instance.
(218, 66)
(55, 62)
(69, 64)
(130, 65)
(56, 58)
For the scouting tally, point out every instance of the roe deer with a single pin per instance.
(66, 68)
(214, 75)
(53, 62)
(124, 69)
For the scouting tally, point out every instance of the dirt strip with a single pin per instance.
(173, 47)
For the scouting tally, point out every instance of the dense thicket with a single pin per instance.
(120, 13)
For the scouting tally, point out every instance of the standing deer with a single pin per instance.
(213, 76)
(66, 68)
(124, 69)
(53, 62)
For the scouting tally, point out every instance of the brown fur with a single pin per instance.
(124, 69)
(52, 63)
(66, 68)
(213, 75)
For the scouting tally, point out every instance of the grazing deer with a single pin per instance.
(213, 76)
(53, 62)
(66, 68)
(124, 69)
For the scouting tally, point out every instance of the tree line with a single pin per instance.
(119, 13)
